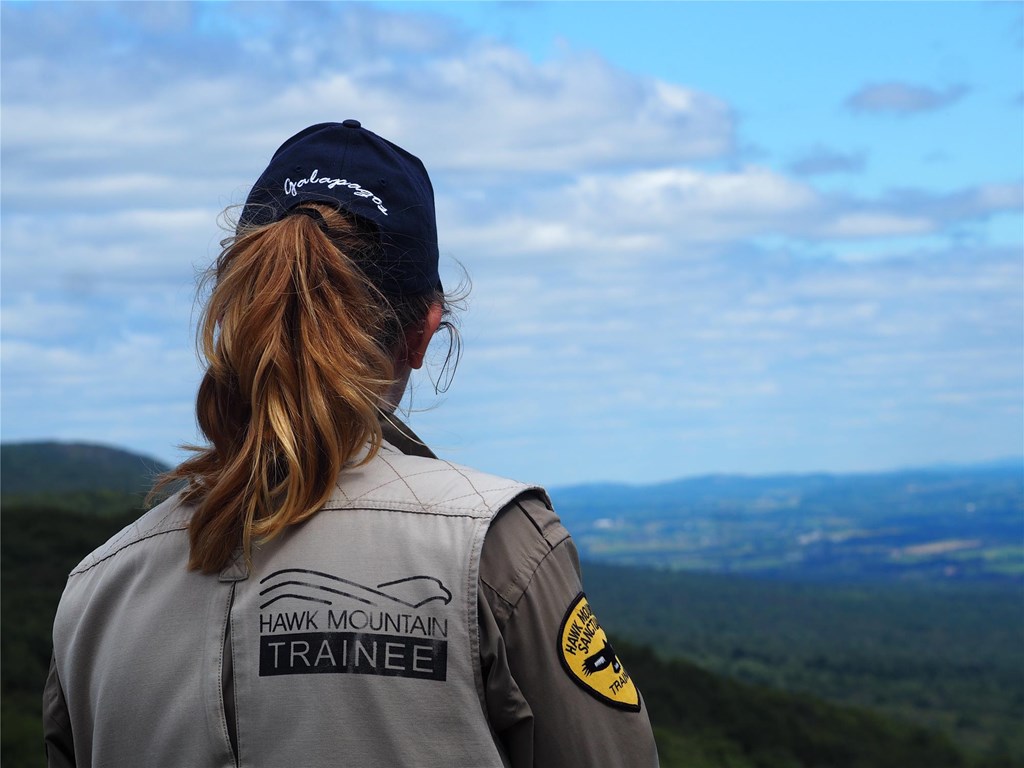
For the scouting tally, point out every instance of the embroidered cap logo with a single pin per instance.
(292, 187)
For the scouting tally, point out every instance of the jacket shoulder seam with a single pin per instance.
(527, 581)
(80, 570)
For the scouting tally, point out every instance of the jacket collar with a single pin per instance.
(404, 439)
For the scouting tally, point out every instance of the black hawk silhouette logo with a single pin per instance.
(601, 659)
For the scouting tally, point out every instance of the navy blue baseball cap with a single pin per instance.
(356, 171)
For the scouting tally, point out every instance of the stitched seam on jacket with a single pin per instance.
(405, 511)
(466, 478)
(118, 551)
(546, 533)
(127, 531)
(446, 501)
(386, 483)
(490, 594)
(404, 481)
(529, 581)
(447, 467)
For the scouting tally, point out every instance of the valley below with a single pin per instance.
(779, 622)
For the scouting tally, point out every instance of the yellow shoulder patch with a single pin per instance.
(590, 660)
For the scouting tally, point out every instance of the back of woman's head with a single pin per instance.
(300, 335)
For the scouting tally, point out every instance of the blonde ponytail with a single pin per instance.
(300, 351)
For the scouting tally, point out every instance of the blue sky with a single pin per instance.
(702, 237)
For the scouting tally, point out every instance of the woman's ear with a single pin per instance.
(417, 338)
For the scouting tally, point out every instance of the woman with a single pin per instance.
(323, 590)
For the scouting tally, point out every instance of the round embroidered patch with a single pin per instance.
(590, 660)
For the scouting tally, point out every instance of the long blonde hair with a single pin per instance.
(300, 350)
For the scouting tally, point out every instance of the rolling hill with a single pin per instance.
(55, 467)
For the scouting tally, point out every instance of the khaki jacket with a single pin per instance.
(372, 635)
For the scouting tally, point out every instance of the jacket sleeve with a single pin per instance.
(57, 737)
(530, 580)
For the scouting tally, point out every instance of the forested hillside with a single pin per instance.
(50, 467)
(41, 543)
(702, 720)
(941, 655)
(735, 672)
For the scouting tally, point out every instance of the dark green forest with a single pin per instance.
(735, 672)
(41, 542)
(947, 656)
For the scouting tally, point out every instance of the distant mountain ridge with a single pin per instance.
(939, 523)
(717, 480)
(935, 523)
(96, 466)
(58, 467)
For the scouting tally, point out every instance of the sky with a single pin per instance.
(701, 237)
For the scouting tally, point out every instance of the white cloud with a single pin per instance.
(876, 225)
(28, 317)
(642, 212)
(903, 98)
(616, 246)
(125, 250)
(131, 389)
(673, 208)
(821, 160)
(564, 115)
